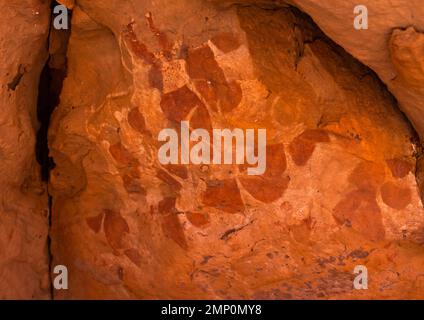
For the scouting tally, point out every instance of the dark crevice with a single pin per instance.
(419, 170)
(230, 232)
(49, 89)
(17, 79)
(48, 98)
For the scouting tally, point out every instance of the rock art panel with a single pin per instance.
(339, 187)
(393, 44)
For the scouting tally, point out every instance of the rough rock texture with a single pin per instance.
(339, 189)
(23, 197)
(393, 46)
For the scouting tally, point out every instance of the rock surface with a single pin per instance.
(24, 206)
(339, 189)
(393, 46)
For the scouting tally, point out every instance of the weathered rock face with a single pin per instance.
(339, 189)
(24, 208)
(393, 46)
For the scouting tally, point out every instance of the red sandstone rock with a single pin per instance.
(344, 167)
(339, 189)
(393, 45)
(24, 209)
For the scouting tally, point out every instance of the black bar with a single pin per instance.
(234, 309)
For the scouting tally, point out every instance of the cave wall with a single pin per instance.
(339, 190)
(344, 165)
(24, 261)
(393, 45)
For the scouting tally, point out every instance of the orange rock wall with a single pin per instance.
(339, 189)
(24, 201)
(344, 167)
